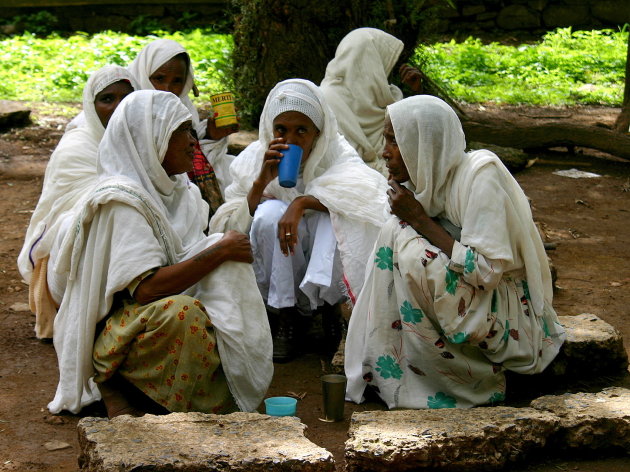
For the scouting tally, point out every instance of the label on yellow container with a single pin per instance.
(224, 111)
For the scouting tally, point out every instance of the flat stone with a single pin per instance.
(240, 140)
(13, 114)
(20, 306)
(593, 348)
(590, 420)
(445, 439)
(199, 442)
(487, 438)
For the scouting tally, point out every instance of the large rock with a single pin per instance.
(197, 442)
(590, 420)
(593, 348)
(518, 17)
(487, 438)
(239, 141)
(447, 439)
(13, 114)
(566, 15)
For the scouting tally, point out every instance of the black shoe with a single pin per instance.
(332, 326)
(284, 338)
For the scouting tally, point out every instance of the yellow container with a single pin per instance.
(224, 111)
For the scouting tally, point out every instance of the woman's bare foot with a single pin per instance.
(115, 400)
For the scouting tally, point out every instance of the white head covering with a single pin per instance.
(294, 96)
(154, 56)
(472, 190)
(357, 88)
(130, 173)
(70, 172)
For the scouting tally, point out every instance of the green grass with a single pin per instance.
(55, 69)
(566, 67)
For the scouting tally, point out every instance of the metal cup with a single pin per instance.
(334, 393)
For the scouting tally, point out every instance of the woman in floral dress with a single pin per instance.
(459, 288)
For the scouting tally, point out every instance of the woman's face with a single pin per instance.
(393, 159)
(171, 76)
(108, 99)
(181, 149)
(296, 128)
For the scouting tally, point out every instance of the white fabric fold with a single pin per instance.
(357, 88)
(70, 173)
(138, 218)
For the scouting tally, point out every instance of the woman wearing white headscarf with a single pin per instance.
(440, 319)
(70, 172)
(308, 238)
(165, 65)
(179, 314)
(357, 88)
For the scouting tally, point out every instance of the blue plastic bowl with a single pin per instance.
(280, 406)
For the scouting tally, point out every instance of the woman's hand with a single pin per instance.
(411, 77)
(237, 247)
(403, 203)
(290, 221)
(271, 159)
(214, 133)
(268, 172)
(288, 227)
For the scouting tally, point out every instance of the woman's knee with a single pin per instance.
(267, 215)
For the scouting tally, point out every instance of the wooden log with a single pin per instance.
(528, 135)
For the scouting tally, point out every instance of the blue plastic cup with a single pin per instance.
(289, 167)
(280, 406)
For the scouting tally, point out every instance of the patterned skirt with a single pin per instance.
(168, 350)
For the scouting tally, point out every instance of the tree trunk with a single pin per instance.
(623, 120)
(279, 39)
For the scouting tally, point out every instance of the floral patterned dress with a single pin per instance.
(168, 350)
(432, 332)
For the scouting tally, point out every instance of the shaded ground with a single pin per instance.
(588, 219)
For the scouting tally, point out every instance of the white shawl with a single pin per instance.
(357, 89)
(354, 194)
(99, 262)
(472, 190)
(70, 173)
(154, 56)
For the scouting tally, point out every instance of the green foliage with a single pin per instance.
(56, 69)
(566, 67)
(41, 23)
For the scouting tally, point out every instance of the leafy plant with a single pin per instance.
(41, 23)
(566, 67)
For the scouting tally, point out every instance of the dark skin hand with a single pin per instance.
(214, 133)
(268, 172)
(174, 279)
(411, 77)
(407, 208)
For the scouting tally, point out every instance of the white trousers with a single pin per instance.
(308, 278)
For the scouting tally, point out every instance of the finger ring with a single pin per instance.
(287, 235)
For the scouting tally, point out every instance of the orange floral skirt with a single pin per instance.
(168, 350)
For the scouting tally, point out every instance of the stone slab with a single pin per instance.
(13, 114)
(590, 420)
(447, 439)
(199, 442)
(488, 438)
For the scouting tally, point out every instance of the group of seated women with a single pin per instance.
(155, 260)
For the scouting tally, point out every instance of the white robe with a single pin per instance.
(106, 248)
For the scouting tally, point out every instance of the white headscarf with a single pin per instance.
(472, 190)
(354, 194)
(130, 173)
(357, 88)
(71, 171)
(154, 56)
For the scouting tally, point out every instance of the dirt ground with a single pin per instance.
(587, 219)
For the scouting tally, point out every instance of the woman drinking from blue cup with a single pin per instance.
(311, 241)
